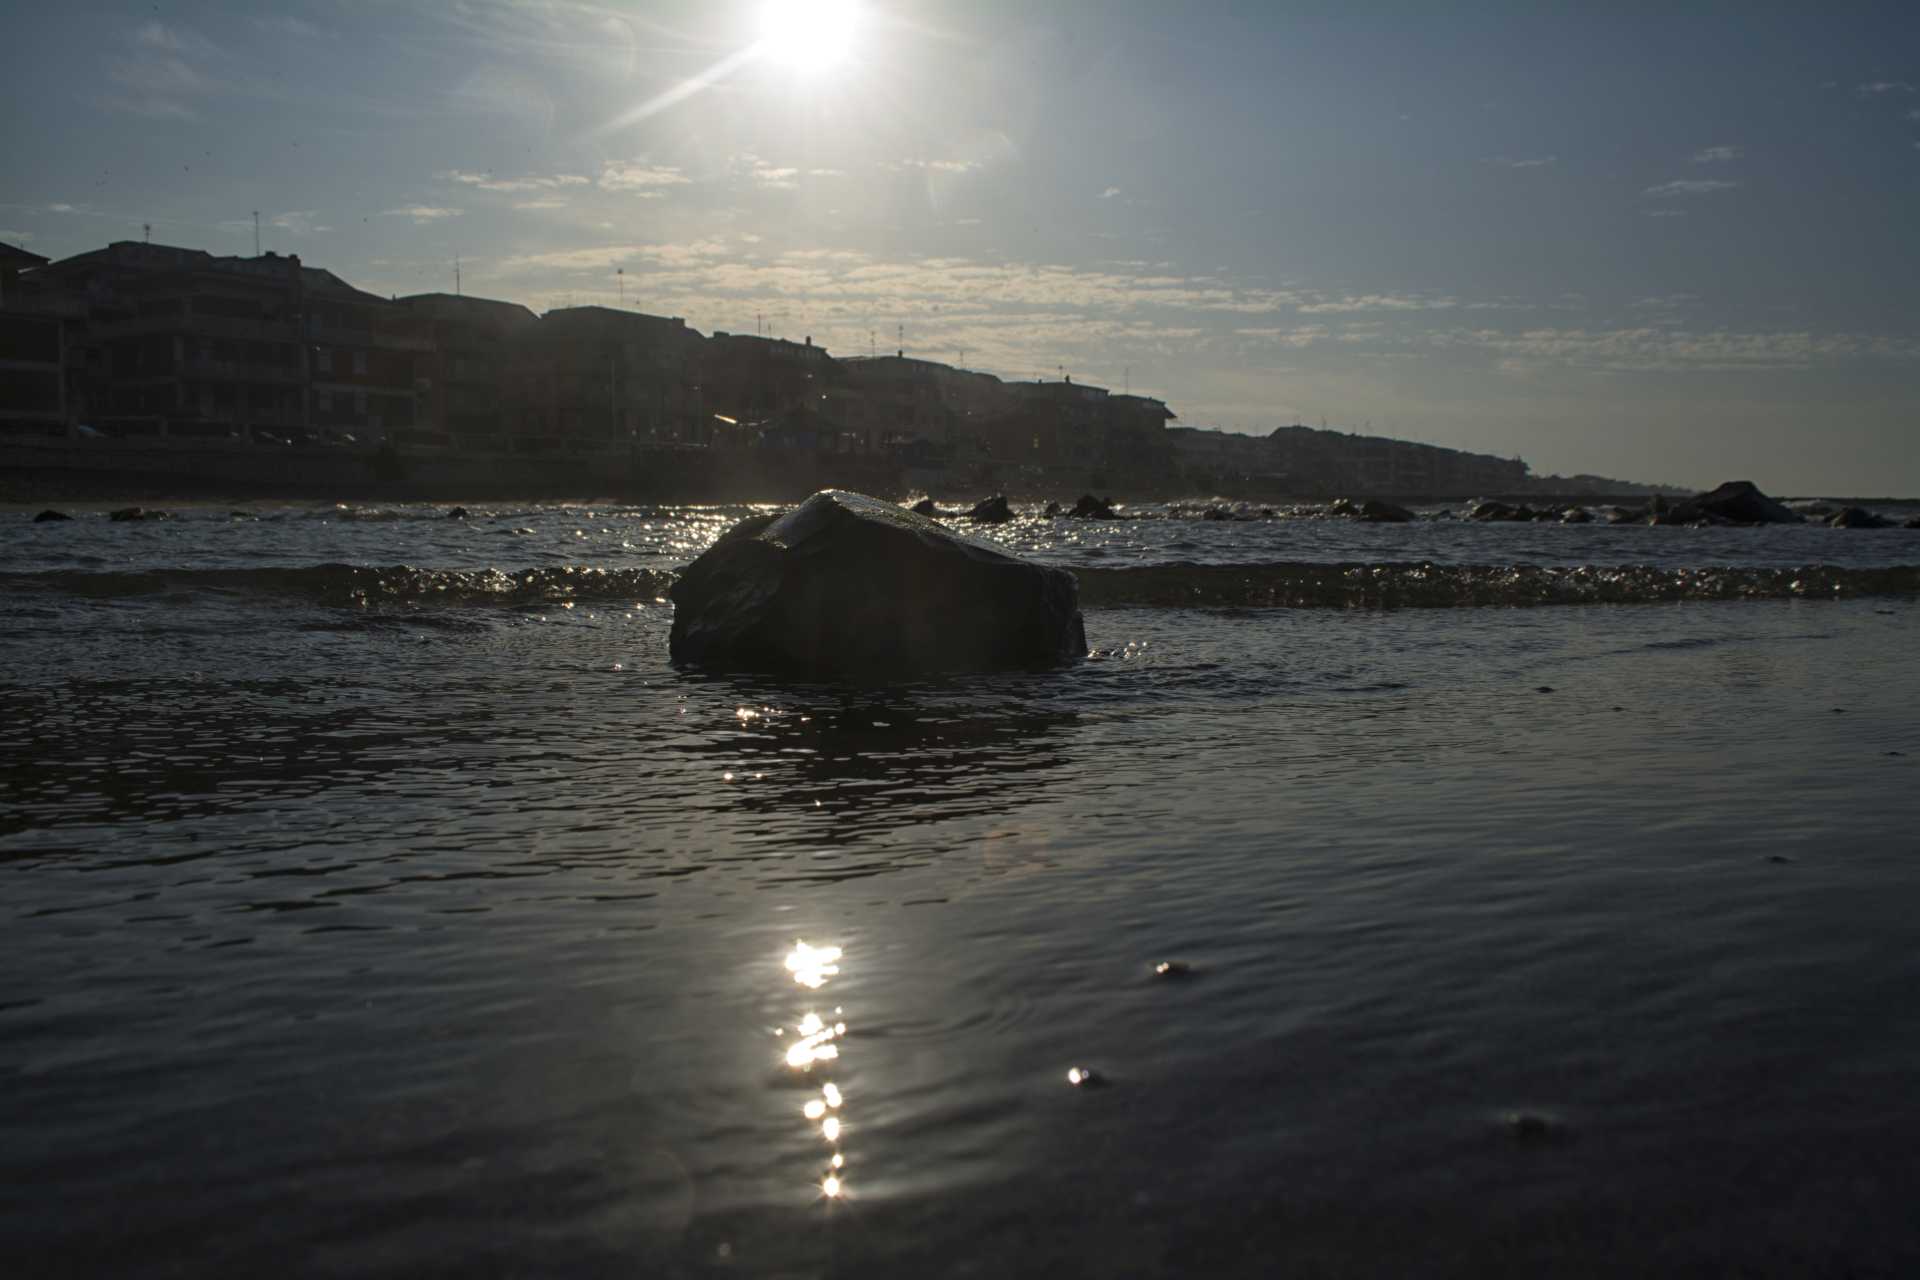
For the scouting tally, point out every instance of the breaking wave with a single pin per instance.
(347, 586)
(1287, 584)
(1398, 586)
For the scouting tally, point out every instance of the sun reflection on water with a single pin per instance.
(813, 967)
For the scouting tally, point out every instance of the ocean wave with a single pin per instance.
(1285, 584)
(348, 586)
(1423, 585)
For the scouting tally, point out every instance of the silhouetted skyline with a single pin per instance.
(1667, 247)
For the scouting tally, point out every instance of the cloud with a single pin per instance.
(1717, 155)
(1914, 114)
(299, 222)
(64, 208)
(1688, 187)
(1668, 350)
(1665, 213)
(1295, 338)
(1110, 193)
(1664, 302)
(157, 78)
(1377, 302)
(942, 166)
(776, 177)
(285, 25)
(544, 202)
(1875, 88)
(421, 213)
(638, 175)
(1521, 162)
(487, 182)
(15, 237)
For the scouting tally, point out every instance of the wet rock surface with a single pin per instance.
(1371, 511)
(992, 510)
(1737, 502)
(848, 586)
(1092, 508)
(50, 515)
(1857, 518)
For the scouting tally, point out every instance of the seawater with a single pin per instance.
(381, 902)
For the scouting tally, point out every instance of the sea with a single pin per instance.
(1429, 899)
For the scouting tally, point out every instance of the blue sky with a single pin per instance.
(1657, 242)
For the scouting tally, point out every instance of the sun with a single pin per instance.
(809, 36)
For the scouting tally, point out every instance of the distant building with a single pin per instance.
(894, 402)
(179, 342)
(750, 379)
(33, 388)
(463, 379)
(598, 378)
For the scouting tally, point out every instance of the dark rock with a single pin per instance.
(50, 514)
(1533, 1129)
(1545, 688)
(847, 585)
(1737, 502)
(1913, 522)
(992, 510)
(458, 513)
(1576, 515)
(137, 513)
(1092, 508)
(1857, 518)
(924, 507)
(1216, 513)
(1267, 513)
(1500, 511)
(1371, 511)
(1053, 511)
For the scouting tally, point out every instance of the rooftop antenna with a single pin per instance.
(620, 273)
(256, 233)
(873, 344)
(146, 232)
(456, 275)
(901, 332)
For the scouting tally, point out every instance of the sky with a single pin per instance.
(1658, 242)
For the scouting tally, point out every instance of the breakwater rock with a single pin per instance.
(847, 585)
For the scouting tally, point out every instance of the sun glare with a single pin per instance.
(809, 35)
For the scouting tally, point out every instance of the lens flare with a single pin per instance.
(809, 36)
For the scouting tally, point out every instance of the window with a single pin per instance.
(323, 359)
(359, 362)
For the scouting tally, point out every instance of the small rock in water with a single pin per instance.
(458, 513)
(992, 510)
(1173, 969)
(1778, 857)
(136, 513)
(1619, 708)
(1896, 753)
(50, 514)
(1532, 1128)
(1090, 507)
(1085, 1078)
(1545, 688)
